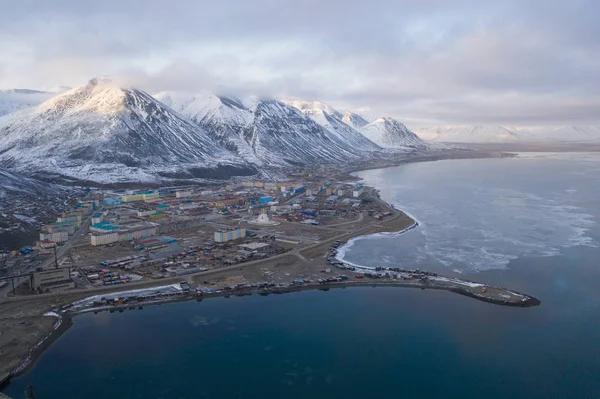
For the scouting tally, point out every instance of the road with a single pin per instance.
(61, 251)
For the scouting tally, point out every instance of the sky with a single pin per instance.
(427, 62)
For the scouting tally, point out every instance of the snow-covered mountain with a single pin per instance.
(224, 118)
(281, 132)
(332, 120)
(18, 99)
(472, 134)
(107, 134)
(570, 134)
(270, 132)
(354, 120)
(389, 133)
(504, 134)
(103, 133)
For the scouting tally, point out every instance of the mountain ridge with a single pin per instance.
(389, 133)
(506, 134)
(104, 133)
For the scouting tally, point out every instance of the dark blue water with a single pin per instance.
(353, 343)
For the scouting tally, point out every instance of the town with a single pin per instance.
(112, 237)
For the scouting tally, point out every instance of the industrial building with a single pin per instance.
(52, 280)
(230, 234)
(254, 246)
(153, 242)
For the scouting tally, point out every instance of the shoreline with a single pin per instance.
(65, 322)
(187, 297)
(445, 154)
(66, 318)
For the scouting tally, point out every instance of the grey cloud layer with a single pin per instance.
(525, 62)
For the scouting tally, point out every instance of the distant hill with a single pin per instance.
(503, 134)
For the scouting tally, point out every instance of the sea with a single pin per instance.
(530, 223)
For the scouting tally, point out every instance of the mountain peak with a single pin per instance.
(312, 107)
(354, 120)
(104, 133)
(388, 119)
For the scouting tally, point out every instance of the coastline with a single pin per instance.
(342, 250)
(444, 154)
(383, 228)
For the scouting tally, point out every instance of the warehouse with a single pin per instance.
(52, 280)
(153, 243)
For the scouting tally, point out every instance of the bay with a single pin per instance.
(537, 216)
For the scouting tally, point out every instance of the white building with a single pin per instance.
(357, 192)
(183, 194)
(104, 239)
(129, 234)
(57, 236)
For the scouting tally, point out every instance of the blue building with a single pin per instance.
(112, 201)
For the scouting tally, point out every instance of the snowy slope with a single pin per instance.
(18, 99)
(268, 132)
(280, 132)
(567, 134)
(104, 133)
(389, 133)
(354, 120)
(224, 118)
(14, 186)
(332, 120)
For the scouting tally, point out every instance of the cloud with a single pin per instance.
(430, 62)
